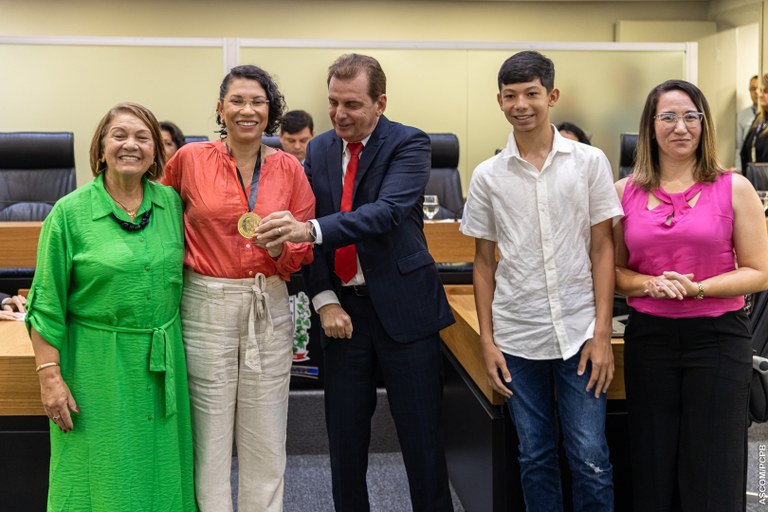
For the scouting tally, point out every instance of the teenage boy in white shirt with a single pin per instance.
(546, 203)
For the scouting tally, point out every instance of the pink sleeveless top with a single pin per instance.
(697, 240)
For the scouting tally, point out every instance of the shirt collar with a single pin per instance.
(559, 145)
(103, 205)
(363, 142)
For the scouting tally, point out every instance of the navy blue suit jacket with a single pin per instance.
(386, 224)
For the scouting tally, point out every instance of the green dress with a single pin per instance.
(108, 299)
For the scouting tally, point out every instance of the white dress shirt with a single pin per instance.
(543, 305)
(329, 296)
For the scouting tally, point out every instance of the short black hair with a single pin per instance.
(275, 98)
(295, 121)
(527, 66)
(578, 132)
(177, 136)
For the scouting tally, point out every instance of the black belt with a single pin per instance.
(356, 290)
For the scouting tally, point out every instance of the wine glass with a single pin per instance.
(431, 206)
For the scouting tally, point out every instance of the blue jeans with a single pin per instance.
(535, 413)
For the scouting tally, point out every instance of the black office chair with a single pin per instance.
(36, 169)
(627, 154)
(272, 141)
(758, 394)
(444, 179)
(195, 138)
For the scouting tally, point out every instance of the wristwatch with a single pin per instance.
(700, 295)
(312, 231)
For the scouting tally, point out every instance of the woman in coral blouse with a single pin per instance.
(238, 329)
(691, 244)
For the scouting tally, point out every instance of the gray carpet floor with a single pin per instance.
(308, 475)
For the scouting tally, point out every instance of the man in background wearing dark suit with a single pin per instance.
(374, 285)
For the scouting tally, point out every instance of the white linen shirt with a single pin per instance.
(543, 305)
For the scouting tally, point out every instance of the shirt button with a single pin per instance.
(250, 272)
(141, 239)
(149, 388)
(149, 418)
(146, 268)
(247, 246)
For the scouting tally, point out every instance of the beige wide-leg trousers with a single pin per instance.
(238, 336)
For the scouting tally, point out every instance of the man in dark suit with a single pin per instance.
(374, 285)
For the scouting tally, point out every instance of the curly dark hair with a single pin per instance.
(275, 98)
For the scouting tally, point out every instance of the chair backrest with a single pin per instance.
(444, 179)
(36, 169)
(627, 154)
(758, 394)
(272, 141)
(195, 138)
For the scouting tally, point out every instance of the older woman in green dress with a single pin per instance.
(103, 318)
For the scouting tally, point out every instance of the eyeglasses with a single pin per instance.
(238, 102)
(689, 118)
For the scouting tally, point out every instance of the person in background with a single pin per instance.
(573, 132)
(173, 138)
(103, 315)
(744, 120)
(10, 305)
(546, 204)
(238, 328)
(374, 285)
(755, 148)
(692, 243)
(296, 130)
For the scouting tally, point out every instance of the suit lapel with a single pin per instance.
(335, 176)
(378, 137)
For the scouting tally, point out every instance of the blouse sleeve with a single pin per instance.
(302, 206)
(47, 302)
(171, 174)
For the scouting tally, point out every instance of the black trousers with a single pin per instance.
(687, 383)
(412, 374)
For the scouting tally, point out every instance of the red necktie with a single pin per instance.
(345, 262)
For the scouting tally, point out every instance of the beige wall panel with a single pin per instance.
(628, 31)
(425, 88)
(309, 19)
(69, 88)
(602, 92)
(718, 81)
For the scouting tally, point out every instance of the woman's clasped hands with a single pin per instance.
(671, 285)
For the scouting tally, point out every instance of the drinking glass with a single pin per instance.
(431, 206)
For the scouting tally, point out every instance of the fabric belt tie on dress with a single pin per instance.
(160, 353)
(259, 310)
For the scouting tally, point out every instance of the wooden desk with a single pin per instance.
(19, 243)
(19, 387)
(446, 244)
(463, 340)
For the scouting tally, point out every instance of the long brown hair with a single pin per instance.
(646, 173)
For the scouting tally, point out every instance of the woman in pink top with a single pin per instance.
(238, 329)
(692, 242)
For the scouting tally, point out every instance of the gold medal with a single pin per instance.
(248, 223)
